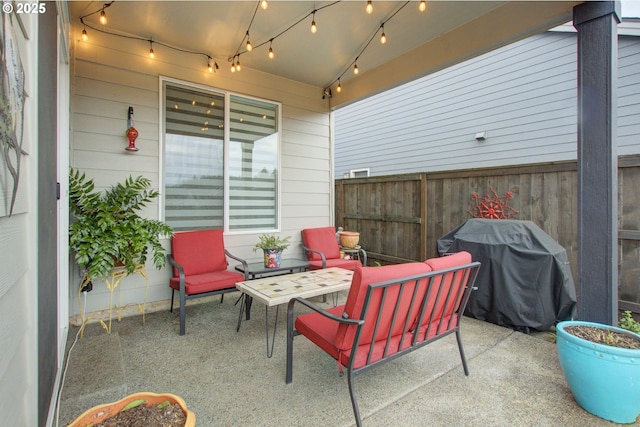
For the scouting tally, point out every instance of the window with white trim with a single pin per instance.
(221, 155)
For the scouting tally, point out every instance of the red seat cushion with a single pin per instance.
(321, 239)
(322, 331)
(207, 282)
(200, 251)
(347, 264)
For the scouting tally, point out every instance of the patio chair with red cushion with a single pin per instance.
(322, 250)
(199, 262)
(390, 311)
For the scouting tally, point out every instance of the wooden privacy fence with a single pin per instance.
(401, 217)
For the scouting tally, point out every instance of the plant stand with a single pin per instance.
(112, 282)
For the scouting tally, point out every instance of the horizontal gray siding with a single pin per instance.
(523, 96)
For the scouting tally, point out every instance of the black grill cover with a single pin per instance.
(525, 280)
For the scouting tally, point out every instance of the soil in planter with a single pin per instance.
(603, 336)
(147, 416)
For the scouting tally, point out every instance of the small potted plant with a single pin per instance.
(272, 246)
(600, 365)
(107, 229)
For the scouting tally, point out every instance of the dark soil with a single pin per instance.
(603, 336)
(147, 416)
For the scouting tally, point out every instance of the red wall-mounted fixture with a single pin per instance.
(132, 133)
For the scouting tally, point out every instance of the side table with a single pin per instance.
(355, 253)
(256, 269)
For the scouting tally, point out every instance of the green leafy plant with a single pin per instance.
(629, 323)
(107, 229)
(271, 241)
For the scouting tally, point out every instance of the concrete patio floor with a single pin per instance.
(226, 379)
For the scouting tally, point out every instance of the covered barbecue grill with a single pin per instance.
(525, 280)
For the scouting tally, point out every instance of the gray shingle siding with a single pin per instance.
(523, 96)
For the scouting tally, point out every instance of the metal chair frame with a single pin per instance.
(412, 326)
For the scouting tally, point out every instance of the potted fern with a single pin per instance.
(272, 247)
(600, 365)
(106, 228)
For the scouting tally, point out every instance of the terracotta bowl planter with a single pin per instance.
(102, 412)
(349, 239)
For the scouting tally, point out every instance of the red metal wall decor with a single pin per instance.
(492, 206)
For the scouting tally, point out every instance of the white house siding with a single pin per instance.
(522, 95)
(629, 94)
(110, 74)
(18, 280)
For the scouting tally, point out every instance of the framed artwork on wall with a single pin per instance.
(12, 101)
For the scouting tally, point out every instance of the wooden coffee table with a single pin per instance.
(278, 290)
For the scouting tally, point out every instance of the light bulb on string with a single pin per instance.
(314, 28)
(233, 65)
(209, 65)
(85, 37)
(383, 36)
(151, 52)
(271, 54)
(422, 6)
(238, 67)
(249, 46)
(264, 4)
(339, 87)
(369, 7)
(103, 17)
(355, 69)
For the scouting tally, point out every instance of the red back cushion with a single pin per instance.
(200, 251)
(321, 239)
(450, 282)
(362, 278)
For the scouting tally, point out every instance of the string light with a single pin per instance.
(383, 36)
(238, 67)
(271, 54)
(264, 4)
(233, 65)
(422, 6)
(211, 64)
(314, 28)
(249, 47)
(103, 17)
(369, 7)
(383, 39)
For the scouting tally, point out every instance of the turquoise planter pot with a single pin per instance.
(604, 380)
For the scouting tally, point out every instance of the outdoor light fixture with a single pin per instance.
(369, 7)
(249, 46)
(271, 54)
(481, 136)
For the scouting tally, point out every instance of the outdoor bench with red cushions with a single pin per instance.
(389, 311)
